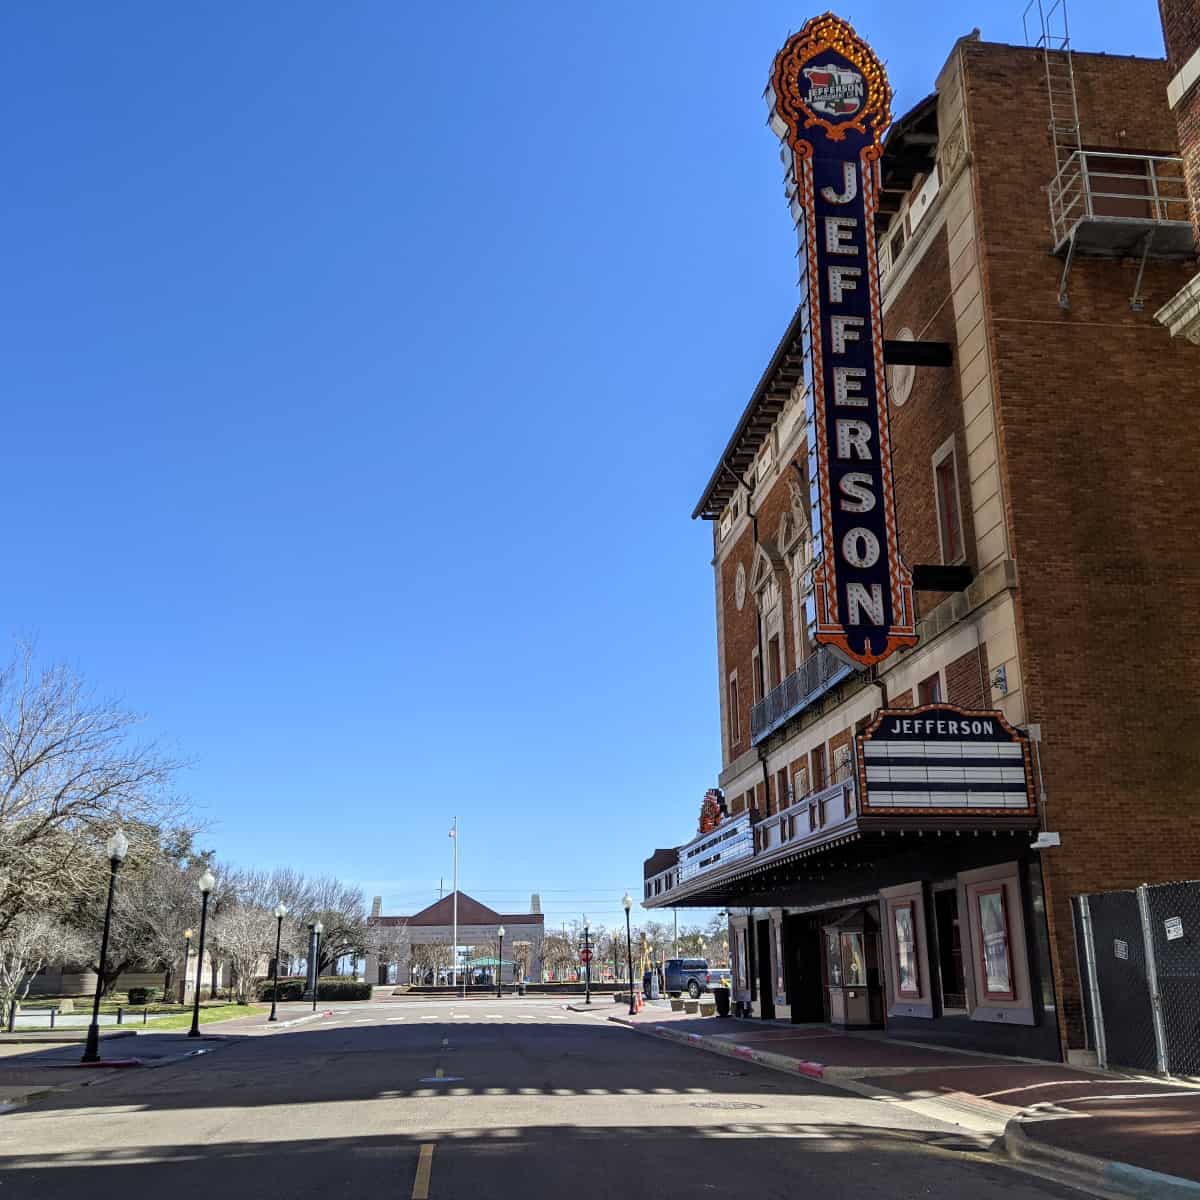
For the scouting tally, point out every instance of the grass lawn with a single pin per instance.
(209, 1014)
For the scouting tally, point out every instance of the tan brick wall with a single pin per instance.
(1098, 441)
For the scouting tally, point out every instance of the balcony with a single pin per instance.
(824, 814)
(1109, 205)
(814, 677)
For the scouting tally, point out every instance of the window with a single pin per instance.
(774, 662)
(735, 720)
(929, 691)
(842, 760)
(945, 486)
(781, 789)
(799, 783)
(1119, 186)
(908, 979)
(820, 773)
(757, 674)
(993, 944)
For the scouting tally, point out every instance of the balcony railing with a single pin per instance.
(1109, 204)
(812, 819)
(811, 680)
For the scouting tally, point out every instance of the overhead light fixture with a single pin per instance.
(1046, 841)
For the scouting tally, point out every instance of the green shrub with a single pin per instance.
(327, 989)
(142, 995)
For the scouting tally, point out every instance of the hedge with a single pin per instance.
(327, 989)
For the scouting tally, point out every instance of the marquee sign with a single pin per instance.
(830, 103)
(726, 844)
(939, 758)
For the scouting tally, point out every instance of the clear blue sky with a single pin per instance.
(361, 366)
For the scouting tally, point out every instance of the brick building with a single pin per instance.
(1042, 444)
(1181, 32)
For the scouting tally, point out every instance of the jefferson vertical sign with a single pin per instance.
(830, 103)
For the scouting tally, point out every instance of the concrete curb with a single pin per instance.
(61, 1038)
(764, 1058)
(1091, 1174)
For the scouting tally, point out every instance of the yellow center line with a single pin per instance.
(424, 1170)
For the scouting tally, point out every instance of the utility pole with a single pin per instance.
(454, 948)
(675, 912)
(587, 962)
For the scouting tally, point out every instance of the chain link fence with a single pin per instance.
(1141, 956)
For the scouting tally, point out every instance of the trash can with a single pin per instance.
(521, 988)
(721, 996)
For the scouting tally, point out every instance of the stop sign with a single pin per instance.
(585, 955)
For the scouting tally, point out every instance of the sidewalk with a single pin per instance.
(1118, 1134)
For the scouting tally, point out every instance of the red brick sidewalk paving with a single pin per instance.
(1122, 1125)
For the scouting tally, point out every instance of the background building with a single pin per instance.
(392, 959)
(1043, 445)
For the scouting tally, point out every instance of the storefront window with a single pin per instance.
(833, 952)
(993, 929)
(855, 959)
(908, 982)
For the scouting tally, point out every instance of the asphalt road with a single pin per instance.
(449, 1100)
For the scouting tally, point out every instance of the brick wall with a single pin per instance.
(1092, 438)
(966, 680)
(1181, 32)
(931, 415)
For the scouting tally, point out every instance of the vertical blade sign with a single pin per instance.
(830, 103)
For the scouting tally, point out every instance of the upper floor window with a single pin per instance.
(735, 717)
(945, 485)
(929, 691)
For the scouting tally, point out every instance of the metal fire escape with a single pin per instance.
(1103, 204)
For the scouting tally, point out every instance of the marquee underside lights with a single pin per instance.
(830, 104)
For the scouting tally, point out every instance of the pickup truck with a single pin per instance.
(693, 975)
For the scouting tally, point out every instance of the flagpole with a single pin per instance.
(454, 948)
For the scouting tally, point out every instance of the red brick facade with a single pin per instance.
(1073, 437)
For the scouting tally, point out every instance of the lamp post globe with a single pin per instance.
(627, 904)
(280, 913)
(500, 962)
(206, 883)
(116, 848)
(318, 928)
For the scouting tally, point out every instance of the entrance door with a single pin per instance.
(766, 986)
(950, 959)
(802, 951)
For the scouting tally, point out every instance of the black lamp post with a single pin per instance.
(318, 929)
(627, 904)
(207, 883)
(500, 963)
(587, 964)
(117, 847)
(280, 913)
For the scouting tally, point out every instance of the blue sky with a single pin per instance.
(362, 364)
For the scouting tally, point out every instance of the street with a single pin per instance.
(453, 1099)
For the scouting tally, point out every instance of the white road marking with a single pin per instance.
(393, 1019)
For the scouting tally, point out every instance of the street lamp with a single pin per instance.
(318, 929)
(116, 847)
(500, 962)
(187, 957)
(280, 913)
(207, 883)
(627, 904)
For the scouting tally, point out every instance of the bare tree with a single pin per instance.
(558, 954)
(247, 937)
(386, 942)
(68, 775)
(28, 942)
(432, 959)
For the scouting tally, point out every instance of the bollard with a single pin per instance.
(120, 1014)
(145, 1014)
(12, 1017)
(53, 1014)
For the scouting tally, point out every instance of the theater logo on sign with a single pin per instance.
(835, 90)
